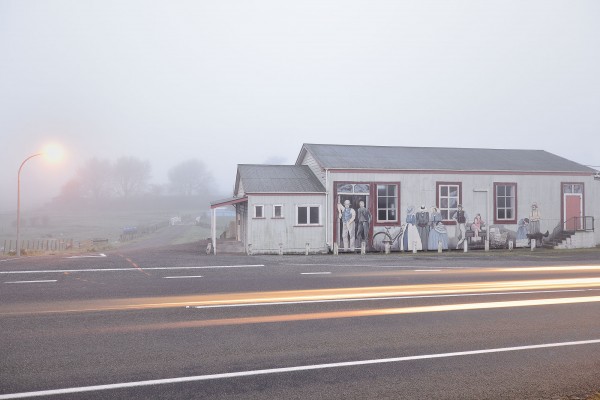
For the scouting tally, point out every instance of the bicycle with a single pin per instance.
(383, 237)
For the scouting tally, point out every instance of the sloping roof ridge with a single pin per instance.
(420, 147)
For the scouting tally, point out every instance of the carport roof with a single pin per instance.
(330, 156)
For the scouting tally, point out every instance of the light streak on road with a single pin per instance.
(561, 268)
(379, 312)
(300, 296)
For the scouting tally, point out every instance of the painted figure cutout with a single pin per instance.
(364, 221)
(410, 236)
(438, 232)
(347, 215)
(422, 220)
(460, 216)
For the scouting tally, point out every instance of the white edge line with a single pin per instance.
(289, 369)
(127, 269)
(45, 281)
(279, 303)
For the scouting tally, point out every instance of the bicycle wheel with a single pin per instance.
(379, 240)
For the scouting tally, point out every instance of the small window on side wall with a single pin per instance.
(505, 201)
(259, 211)
(277, 211)
(387, 202)
(448, 198)
(308, 215)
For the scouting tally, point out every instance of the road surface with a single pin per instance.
(170, 322)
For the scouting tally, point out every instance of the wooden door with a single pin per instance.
(573, 211)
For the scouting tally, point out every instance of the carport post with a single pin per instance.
(213, 228)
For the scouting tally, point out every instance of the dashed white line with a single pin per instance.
(101, 255)
(427, 270)
(182, 277)
(230, 375)
(44, 281)
(315, 273)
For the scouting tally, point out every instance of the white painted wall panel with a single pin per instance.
(265, 234)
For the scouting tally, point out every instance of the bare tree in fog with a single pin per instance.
(130, 176)
(71, 193)
(191, 177)
(95, 178)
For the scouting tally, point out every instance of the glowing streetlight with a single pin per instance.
(53, 153)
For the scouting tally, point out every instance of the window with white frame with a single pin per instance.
(448, 198)
(277, 211)
(259, 211)
(308, 215)
(387, 202)
(505, 195)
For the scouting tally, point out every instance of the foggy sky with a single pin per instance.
(232, 82)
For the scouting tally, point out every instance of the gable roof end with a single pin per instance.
(278, 179)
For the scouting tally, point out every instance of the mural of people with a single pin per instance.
(347, 215)
(363, 215)
(460, 216)
(422, 220)
(438, 232)
(522, 229)
(410, 235)
(477, 224)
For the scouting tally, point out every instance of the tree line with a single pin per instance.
(129, 177)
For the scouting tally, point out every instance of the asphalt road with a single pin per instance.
(170, 322)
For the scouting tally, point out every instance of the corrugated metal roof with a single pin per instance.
(279, 179)
(440, 158)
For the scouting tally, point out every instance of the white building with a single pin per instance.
(287, 208)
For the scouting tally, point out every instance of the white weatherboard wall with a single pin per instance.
(265, 234)
(418, 189)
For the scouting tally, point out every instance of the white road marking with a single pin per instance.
(182, 277)
(101, 255)
(427, 270)
(199, 378)
(279, 303)
(61, 271)
(315, 273)
(45, 281)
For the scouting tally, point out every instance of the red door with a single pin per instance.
(572, 212)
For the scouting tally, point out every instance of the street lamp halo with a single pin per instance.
(53, 152)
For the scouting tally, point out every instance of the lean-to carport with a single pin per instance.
(213, 220)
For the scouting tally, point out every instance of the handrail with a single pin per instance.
(580, 224)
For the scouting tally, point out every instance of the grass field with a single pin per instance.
(105, 224)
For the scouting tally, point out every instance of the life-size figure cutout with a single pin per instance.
(534, 219)
(411, 234)
(363, 215)
(477, 224)
(438, 232)
(460, 216)
(422, 218)
(347, 215)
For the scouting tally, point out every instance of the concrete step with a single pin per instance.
(230, 247)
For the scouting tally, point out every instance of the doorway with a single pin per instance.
(355, 200)
(573, 206)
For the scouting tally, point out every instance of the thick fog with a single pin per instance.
(228, 82)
